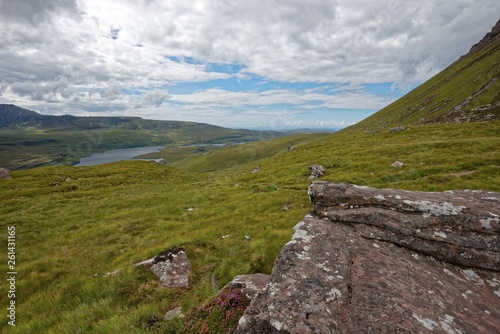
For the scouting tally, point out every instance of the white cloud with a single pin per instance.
(87, 54)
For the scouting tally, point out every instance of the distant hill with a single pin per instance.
(29, 139)
(12, 116)
(467, 91)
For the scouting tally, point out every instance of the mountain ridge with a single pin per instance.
(15, 116)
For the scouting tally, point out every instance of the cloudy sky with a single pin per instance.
(238, 63)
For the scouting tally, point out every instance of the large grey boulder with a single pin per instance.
(386, 261)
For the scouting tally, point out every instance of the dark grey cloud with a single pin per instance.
(48, 92)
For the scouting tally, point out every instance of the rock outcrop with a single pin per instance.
(494, 33)
(386, 261)
(171, 266)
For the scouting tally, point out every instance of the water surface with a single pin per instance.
(117, 155)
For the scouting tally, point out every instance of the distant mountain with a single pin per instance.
(29, 139)
(12, 116)
(467, 91)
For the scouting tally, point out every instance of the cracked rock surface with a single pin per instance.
(386, 261)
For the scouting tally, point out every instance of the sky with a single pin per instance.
(272, 64)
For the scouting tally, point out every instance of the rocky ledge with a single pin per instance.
(386, 261)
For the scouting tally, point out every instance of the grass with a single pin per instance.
(236, 157)
(75, 223)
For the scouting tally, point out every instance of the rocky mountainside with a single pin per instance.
(386, 261)
(488, 38)
(467, 91)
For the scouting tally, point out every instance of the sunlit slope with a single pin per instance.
(236, 157)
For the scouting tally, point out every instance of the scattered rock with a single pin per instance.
(191, 209)
(247, 237)
(112, 273)
(5, 174)
(225, 236)
(175, 313)
(249, 284)
(316, 171)
(459, 174)
(291, 148)
(255, 170)
(386, 261)
(397, 164)
(397, 129)
(171, 266)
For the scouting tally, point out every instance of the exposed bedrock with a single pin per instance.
(386, 261)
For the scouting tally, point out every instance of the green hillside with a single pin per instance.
(235, 157)
(75, 223)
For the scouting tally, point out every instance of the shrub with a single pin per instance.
(219, 315)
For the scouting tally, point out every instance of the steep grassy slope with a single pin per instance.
(468, 90)
(75, 223)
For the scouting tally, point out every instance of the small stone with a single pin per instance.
(255, 170)
(175, 313)
(397, 164)
(316, 171)
(397, 129)
(247, 237)
(4, 174)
